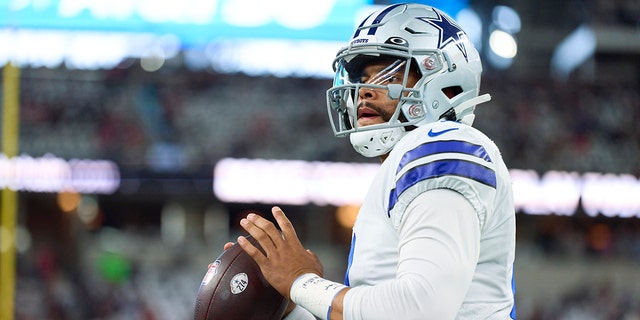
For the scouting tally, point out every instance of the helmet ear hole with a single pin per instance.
(452, 91)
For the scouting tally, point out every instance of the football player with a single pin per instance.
(435, 236)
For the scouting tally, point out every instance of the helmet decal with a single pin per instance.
(372, 30)
(449, 31)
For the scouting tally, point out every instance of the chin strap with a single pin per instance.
(374, 143)
(462, 107)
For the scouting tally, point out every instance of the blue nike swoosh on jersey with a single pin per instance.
(437, 133)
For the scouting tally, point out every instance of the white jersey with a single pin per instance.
(402, 248)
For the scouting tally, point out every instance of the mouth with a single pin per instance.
(368, 116)
(367, 112)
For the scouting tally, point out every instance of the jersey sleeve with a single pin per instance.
(438, 251)
(461, 163)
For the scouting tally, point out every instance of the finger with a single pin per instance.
(251, 250)
(257, 232)
(285, 224)
(227, 245)
(263, 224)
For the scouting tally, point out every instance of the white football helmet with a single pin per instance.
(415, 35)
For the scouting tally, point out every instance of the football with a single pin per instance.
(234, 288)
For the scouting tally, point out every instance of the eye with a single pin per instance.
(393, 79)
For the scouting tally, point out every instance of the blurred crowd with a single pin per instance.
(618, 12)
(179, 119)
(542, 125)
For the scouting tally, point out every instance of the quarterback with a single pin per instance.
(435, 236)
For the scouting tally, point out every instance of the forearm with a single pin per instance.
(438, 251)
(337, 305)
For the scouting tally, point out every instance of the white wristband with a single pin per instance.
(315, 294)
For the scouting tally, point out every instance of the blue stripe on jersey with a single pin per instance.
(377, 20)
(513, 288)
(353, 246)
(436, 147)
(441, 168)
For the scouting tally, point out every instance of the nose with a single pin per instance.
(367, 93)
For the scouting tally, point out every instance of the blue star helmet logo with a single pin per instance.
(449, 31)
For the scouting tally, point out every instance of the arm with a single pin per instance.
(439, 222)
(438, 251)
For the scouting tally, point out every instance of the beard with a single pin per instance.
(384, 113)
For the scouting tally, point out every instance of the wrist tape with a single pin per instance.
(315, 294)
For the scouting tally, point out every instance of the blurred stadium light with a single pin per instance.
(503, 45)
(573, 51)
(52, 174)
(100, 34)
(281, 38)
(195, 22)
(321, 183)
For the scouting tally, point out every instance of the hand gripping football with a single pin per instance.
(234, 288)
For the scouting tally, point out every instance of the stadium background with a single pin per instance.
(166, 118)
